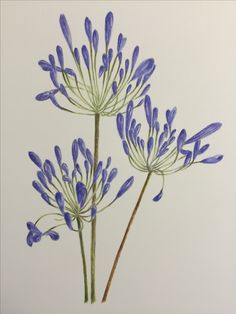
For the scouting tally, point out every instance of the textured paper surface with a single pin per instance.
(180, 257)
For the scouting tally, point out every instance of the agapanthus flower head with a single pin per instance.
(103, 80)
(164, 151)
(71, 191)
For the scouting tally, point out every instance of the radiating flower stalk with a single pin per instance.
(69, 193)
(101, 84)
(164, 152)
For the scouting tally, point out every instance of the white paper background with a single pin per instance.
(180, 257)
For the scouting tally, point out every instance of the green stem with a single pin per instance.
(94, 221)
(84, 263)
(118, 254)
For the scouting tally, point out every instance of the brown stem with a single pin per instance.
(124, 239)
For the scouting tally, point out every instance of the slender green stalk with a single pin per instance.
(94, 221)
(84, 263)
(118, 254)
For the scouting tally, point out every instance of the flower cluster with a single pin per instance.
(72, 192)
(103, 87)
(165, 151)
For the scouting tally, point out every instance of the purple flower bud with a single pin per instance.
(60, 56)
(36, 160)
(163, 149)
(82, 147)
(112, 175)
(161, 139)
(134, 57)
(68, 220)
(45, 65)
(114, 87)
(70, 72)
(53, 235)
(75, 150)
(58, 155)
(157, 126)
(154, 117)
(128, 89)
(110, 55)
(88, 28)
(29, 239)
(170, 115)
(89, 156)
(105, 61)
(86, 166)
(120, 42)
(158, 196)
(108, 162)
(144, 68)
(129, 113)
(136, 131)
(63, 91)
(43, 96)
(108, 27)
(126, 65)
(125, 147)
(66, 30)
(97, 171)
(211, 128)
(150, 145)
(65, 168)
(212, 160)
(105, 189)
(81, 193)
(181, 140)
(148, 110)
(60, 201)
(121, 74)
(38, 187)
(120, 125)
(95, 40)
(85, 55)
(101, 70)
(142, 144)
(53, 76)
(45, 197)
(47, 171)
(145, 90)
(104, 176)
(147, 76)
(196, 149)
(52, 61)
(119, 56)
(166, 129)
(77, 55)
(42, 179)
(93, 212)
(203, 149)
(125, 186)
(188, 155)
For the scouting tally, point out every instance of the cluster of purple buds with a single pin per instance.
(94, 86)
(164, 151)
(72, 192)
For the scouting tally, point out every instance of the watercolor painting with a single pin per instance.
(105, 78)
(163, 152)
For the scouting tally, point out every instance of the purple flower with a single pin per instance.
(108, 27)
(145, 67)
(125, 186)
(66, 30)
